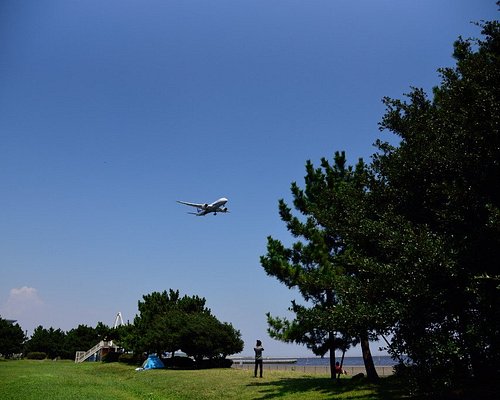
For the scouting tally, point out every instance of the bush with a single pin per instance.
(36, 355)
(132, 359)
(179, 362)
(214, 363)
(112, 356)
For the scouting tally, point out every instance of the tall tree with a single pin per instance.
(160, 318)
(412, 250)
(168, 322)
(442, 186)
(11, 338)
(315, 265)
(80, 338)
(204, 336)
(49, 341)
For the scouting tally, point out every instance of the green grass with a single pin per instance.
(53, 380)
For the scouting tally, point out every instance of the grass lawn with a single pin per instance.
(52, 380)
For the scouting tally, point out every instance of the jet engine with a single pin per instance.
(223, 209)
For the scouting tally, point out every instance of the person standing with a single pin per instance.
(258, 357)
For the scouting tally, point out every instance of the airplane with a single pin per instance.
(204, 209)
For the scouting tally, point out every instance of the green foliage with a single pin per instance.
(228, 340)
(112, 356)
(159, 322)
(11, 338)
(179, 362)
(203, 336)
(409, 245)
(168, 322)
(442, 185)
(57, 343)
(36, 355)
(130, 358)
(334, 200)
(81, 338)
(49, 341)
(104, 332)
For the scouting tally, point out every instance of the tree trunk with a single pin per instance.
(371, 372)
(341, 365)
(331, 341)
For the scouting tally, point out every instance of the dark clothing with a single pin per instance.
(258, 360)
(258, 365)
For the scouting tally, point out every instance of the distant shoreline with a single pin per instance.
(381, 361)
(314, 369)
(316, 365)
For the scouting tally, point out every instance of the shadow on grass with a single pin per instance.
(386, 388)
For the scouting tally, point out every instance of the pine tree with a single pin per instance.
(315, 265)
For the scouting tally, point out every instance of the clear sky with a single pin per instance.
(110, 111)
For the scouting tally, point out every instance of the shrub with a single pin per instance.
(112, 356)
(36, 355)
(132, 359)
(214, 363)
(179, 362)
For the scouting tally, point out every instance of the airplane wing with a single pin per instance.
(197, 205)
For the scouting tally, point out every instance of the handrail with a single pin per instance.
(79, 357)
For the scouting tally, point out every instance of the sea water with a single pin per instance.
(382, 361)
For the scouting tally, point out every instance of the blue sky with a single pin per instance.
(111, 111)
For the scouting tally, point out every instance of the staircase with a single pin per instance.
(81, 356)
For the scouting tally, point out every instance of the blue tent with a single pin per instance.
(153, 362)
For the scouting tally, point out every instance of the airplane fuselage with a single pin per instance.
(204, 209)
(215, 207)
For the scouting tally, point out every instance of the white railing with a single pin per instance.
(314, 369)
(83, 355)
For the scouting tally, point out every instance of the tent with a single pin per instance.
(152, 362)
